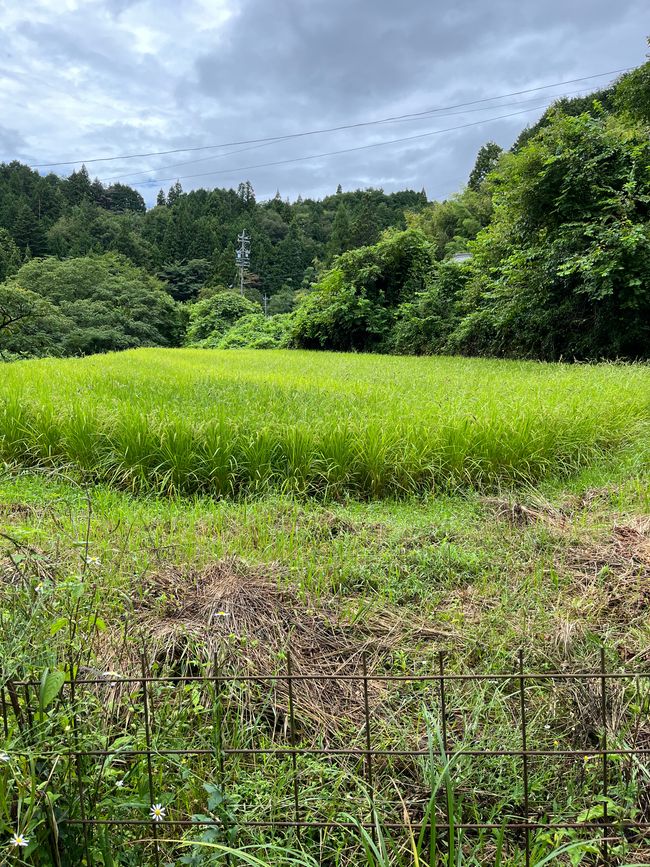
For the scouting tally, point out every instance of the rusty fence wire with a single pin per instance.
(158, 728)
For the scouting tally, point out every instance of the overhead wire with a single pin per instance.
(356, 125)
(272, 142)
(235, 170)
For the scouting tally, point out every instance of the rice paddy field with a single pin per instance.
(230, 423)
(195, 511)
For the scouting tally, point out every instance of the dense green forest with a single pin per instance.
(557, 231)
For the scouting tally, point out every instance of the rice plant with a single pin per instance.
(231, 423)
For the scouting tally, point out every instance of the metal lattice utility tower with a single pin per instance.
(243, 256)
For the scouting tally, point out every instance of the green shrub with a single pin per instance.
(353, 305)
(256, 331)
(212, 317)
(422, 326)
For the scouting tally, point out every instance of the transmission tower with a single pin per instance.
(243, 257)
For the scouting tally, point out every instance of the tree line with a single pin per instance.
(555, 232)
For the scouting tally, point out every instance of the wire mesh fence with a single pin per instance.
(471, 753)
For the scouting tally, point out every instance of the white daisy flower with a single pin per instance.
(120, 784)
(19, 840)
(157, 812)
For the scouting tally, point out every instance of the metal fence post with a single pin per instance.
(219, 743)
(368, 763)
(603, 744)
(5, 722)
(147, 734)
(292, 737)
(524, 753)
(78, 765)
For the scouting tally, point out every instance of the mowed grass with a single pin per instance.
(230, 423)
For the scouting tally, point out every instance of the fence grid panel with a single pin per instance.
(144, 695)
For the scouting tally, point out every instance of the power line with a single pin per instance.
(156, 181)
(328, 129)
(270, 143)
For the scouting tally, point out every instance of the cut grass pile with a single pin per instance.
(228, 423)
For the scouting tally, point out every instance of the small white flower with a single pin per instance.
(157, 812)
(547, 727)
(119, 784)
(19, 840)
(39, 588)
(4, 757)
(93, 561)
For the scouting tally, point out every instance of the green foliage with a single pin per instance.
(423, 326)
(256, 331)
(632, 95)
(184, 280)
(283, 301)
(120, 197)
(486, 161)
(449, 225)
(29, 325)
(353, 305)
(212, 317)
(28, 232)
(9, 255)
(189, 239)
(96, 304)
(341, 231)
(593, 103)
(564, 267)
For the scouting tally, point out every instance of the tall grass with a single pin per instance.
(236, 422)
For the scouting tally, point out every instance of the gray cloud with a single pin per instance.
(88, 78)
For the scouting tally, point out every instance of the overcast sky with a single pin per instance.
(81, 79)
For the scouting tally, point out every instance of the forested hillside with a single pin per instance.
(188, 239)
(556, 232)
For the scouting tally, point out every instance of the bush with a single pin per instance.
(211, 318)
(353, 305)
(423, 326)
(257, 331)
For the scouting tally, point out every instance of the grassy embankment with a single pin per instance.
(482, 564)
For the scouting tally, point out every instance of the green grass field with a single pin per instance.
(522, 521)
(237, 422)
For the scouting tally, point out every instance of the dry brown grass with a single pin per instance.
(519, 514)
(248, 617)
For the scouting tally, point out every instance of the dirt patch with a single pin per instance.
(249, 618)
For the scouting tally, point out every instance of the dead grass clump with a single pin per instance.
(249, 617)
(519, 515)
(23, 564)
(615, 572)
(17, 510)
